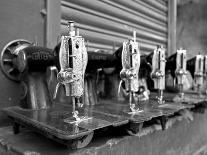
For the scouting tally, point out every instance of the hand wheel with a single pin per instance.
(8, 57)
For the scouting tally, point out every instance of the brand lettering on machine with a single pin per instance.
(40, 55)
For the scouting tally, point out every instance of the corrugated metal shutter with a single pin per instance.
(105, 24)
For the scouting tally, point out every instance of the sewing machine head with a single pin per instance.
(158, 71)
(198, 75)
(130, 68)
(101, 76)
(195, 66)
(180, 65)
(158, 68)
(180, 71)
(205, 74)
(130, 64)
(205, 67)
(73, 60)
(176, 65)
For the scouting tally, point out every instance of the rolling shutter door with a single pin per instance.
(105, 24)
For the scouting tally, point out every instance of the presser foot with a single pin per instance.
(76, 119)
(160, 100)
(134, 110)
(80, 105)
(179, 98)
(142, 97)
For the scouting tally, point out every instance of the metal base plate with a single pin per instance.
(189, 97)
(58, 122)
(53, 120)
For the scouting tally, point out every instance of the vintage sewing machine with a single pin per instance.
(73, 60)
(141, 93)
(176, 66)
(205, 74)
(158, 72)
(180, 71)
(130, 69)
(196, 68)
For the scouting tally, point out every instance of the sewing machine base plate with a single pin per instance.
(189, 97)
(53, 122)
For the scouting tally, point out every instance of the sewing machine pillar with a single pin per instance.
(158, 72)
(205, 73)
(73, 60)
(130, 68)
(180, 71)
(32, 62)
(198, 75)
(34, 91)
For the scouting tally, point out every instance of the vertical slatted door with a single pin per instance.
(105, 24)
